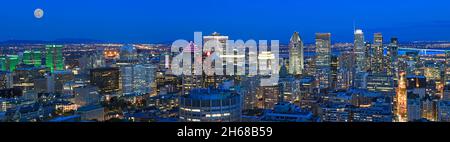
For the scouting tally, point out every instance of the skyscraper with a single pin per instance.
(54, 57)
(296, 55)
(323, 60)
(392, 58)
(32, 58)
(9, 62)
(217, 38)
(401, 112)
(334, 71)
(359, 50)
(377, 62)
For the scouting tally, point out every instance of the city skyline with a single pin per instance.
(223, 61)
(141, 21)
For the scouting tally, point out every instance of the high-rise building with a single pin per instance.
(323, 60)
(334, 71)
(296, 55)
(346, 70)
(360, 50)
(447, 76)
(106, 79)
(219, 43)
(32, 58)
(190, 78)
(401, 114)
(377, 54)
(9, 62)
(392, 58)
(54, 57)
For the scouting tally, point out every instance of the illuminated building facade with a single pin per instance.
(360, 50)
(380, 82)
(392, 58)
(24, 77)
(32, 58)
(401, 114)
(377, 54)
(296, 55)
(54, 57)
(9, 62)
(210, 105)
(323, 60)
(106, 79)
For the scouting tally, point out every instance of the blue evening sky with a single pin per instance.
(168, 20)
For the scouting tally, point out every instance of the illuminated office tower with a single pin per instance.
(334, 71)
(222, 40)
(346, 70)
(32, 58)
(9, 62)
(106, 79)
(401, 112)
(359, 50)
(143, 77)
(54, 57)
(446, 77)
(368, 63)
(296, 55)
(377, 62)
(447, 70)
(392, 58)
(190, 79)
(323, 60)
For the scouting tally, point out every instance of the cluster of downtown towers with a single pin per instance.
(371, 82)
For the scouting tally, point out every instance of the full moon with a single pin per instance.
(38, 13)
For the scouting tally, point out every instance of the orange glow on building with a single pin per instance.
(111, 54)
(401, 114)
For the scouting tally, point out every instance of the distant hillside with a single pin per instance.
(58, 41)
